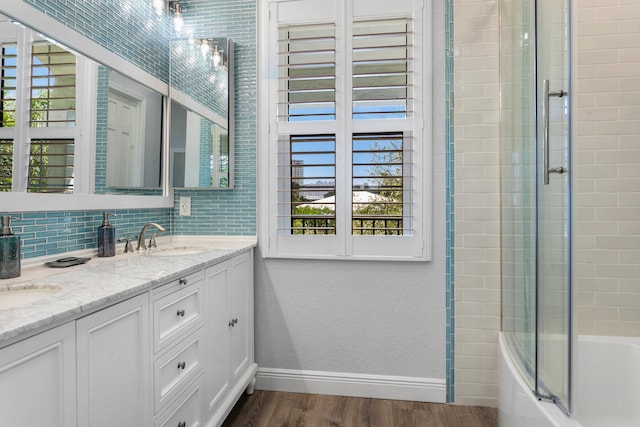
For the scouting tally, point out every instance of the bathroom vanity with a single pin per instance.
(160, 338)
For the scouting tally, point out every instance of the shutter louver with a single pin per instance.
(8, 80)
(381, 196)
(306, 74)
(53, 86)
(6, 164)
(310, 172)
(382, 69)
(51, 166)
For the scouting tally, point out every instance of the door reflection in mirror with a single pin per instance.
(134, 134)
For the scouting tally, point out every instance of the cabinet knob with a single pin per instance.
(182, 281)
(180, 313)
(182, 365)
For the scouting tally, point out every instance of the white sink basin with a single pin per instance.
(177, 251)
(24, 295)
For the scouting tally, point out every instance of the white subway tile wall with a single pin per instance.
(607, 168)
(477, 202)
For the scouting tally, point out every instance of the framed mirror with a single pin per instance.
(74, 133)
(201, 119)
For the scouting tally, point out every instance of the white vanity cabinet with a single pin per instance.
(229, 367)
(114, 365)
(180, 354)
(37, 380)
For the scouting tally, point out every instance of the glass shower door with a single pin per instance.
(553, 345)
(518, 182)
(535, 196)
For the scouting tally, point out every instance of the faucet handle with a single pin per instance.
(128, 247)
(152, 241)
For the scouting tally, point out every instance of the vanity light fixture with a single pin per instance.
(177, 10)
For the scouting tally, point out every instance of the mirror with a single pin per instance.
(86, 129)
(201, 119)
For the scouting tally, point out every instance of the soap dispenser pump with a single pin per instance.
(9, 250)
(106, 237)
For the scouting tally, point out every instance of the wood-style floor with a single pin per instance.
(279, 409)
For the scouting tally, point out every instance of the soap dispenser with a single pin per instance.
(9, 250)
(106, 237)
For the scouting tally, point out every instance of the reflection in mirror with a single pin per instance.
(39, 127)
(199, 150)
(65, 116)
(133, 133)
(201, 137)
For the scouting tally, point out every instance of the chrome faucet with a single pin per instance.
(141, 245)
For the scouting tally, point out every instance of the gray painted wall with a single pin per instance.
(382, 318)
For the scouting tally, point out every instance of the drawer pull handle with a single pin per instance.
(182, 281)
(233, 322)
(182, 424)
(180, 313)
(182, 365)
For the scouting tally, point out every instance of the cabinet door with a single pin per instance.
(114, 365)
(217, 325)
(37, 380)
(241, 291)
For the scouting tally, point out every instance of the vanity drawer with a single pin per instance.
(187, 410)
(176, 285)
(175, 314)
(177, 367)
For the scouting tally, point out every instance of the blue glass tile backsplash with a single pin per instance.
(49, 233)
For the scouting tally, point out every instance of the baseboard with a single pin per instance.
(357, 385)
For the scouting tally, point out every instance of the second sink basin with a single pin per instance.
(19, 296)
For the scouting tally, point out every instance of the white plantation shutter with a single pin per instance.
(345, 111)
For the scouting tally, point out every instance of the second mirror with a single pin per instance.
(201, 119)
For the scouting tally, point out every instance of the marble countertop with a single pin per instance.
(104, 281)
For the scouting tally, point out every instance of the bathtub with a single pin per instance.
(606, 388)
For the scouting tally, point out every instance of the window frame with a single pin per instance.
(344, 244)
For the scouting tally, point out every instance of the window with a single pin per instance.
(343, 106)
(38, 130)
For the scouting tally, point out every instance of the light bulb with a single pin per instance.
(158, 5)
(217, 56)
(178, 22)
(204, 47)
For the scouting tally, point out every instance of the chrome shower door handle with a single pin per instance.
(545, 138)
